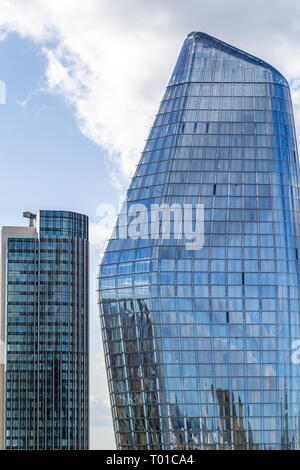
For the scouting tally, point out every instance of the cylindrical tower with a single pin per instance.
(45, 318)
(200, 344)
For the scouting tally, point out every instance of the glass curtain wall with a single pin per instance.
(199, 343)
(47, 335)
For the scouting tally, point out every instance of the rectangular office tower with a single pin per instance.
(44, 333)
(202, 339)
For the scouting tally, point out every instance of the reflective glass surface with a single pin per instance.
(199, 343)
(47, 335)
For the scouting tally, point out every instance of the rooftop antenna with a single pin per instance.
(31, 217)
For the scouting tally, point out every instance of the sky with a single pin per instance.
(84, 79)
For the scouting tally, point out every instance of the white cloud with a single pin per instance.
(99, 62)
(110, 60)
(295, 92)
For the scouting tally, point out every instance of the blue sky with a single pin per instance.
(46, 163)
(84, 79)
(48, 160)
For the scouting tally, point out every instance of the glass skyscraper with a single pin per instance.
(201, 344)
(44, 325)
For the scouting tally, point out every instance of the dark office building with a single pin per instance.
(44, 327)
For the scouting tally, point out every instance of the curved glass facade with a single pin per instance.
(200, 343)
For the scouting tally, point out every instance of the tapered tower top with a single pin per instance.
(210, 41)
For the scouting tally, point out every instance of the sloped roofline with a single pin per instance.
(223, 46)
